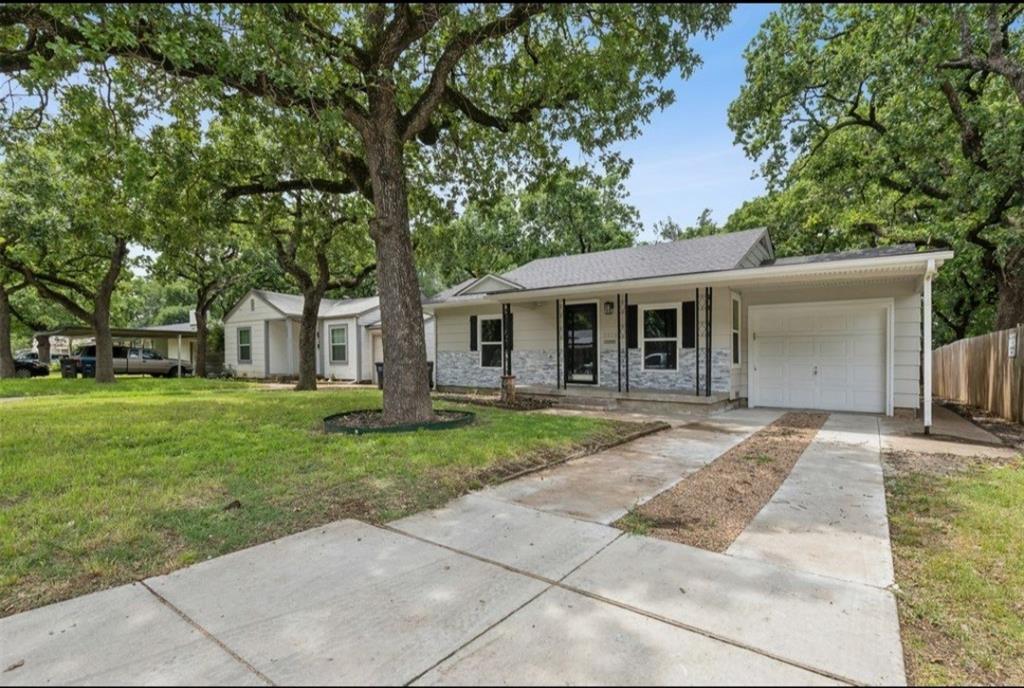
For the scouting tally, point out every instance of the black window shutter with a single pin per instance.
(632, 338)
(472, 333)
(689, 324)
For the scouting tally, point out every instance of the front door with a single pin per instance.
(581, 343)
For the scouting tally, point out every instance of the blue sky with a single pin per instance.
(685, 160)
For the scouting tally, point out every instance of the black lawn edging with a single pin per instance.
(463, 418)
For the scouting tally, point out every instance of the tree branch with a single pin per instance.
(418, 117)
(285, 185)
(353, 281)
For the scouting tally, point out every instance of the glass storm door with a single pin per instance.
(581, 343)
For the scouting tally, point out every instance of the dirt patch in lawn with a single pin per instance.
(373, 420)
(710, 508)
(521, 403)
(899, 464)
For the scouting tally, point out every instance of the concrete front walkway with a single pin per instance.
(524, 583)
(829, 517)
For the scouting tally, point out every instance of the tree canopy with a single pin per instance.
(887, 123)
(442, 94)
(571, 210)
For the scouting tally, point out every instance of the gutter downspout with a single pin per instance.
(927, 352)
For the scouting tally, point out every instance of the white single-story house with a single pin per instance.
(706, 320)
(261, 337)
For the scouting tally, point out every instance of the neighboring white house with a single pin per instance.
(261, 336)
(703, 320)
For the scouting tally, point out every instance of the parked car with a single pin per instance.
(29, 355)
(134, 360)
(26, 368)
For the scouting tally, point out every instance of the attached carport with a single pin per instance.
(182, 335)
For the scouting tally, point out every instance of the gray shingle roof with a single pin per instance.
(877, 252)
(291, 304)
(701, 254)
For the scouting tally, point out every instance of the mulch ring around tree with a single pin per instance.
(710, 508)
(372, 420)
(521, 403)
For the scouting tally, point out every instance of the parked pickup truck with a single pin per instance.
(135, 361)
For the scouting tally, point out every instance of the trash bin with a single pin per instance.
(68, 368)
(380, 374)
(88, 368)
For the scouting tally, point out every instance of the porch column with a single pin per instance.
(179, 355)
(288, 337)
(508, 380)
(558, 343)
(707, 340)
(927, 353)
(618, 336)
(625, 305)
(506, 336)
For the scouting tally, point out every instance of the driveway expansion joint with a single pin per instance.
(552, 583)
(206, 634)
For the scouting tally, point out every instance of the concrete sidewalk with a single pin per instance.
(520, 584)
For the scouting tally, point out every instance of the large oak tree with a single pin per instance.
(397, 86)
(905, 122)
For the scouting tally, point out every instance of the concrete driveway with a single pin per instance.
(523, 583)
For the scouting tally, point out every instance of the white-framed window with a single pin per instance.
(659, 329)
(490, 342)
(245, 345)
(339, 343)
(736, 320)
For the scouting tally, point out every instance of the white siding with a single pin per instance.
(346, 370)
(168, 348)
(907, 315)
(251, 312)
(453, 326)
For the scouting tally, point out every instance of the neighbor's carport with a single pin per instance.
(182, 334)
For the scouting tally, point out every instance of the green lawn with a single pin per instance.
(134, 384)
(106, 484)
(958, 543)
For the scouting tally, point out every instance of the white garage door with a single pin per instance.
(821, 357)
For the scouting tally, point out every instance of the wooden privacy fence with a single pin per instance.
(981, 372)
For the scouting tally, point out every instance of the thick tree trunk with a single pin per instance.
(43, 347)
(6, 355)
(311, 299)
(104, 343)
(406, 388)
(1010, 307)
(201, 335)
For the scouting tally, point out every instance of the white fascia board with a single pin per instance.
(915, 263)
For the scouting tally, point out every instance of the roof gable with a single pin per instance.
(251, 294)
(290, 305)
(488, 283)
